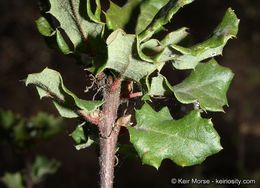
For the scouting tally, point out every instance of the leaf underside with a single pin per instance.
(85, 30)
(145, 11)
(138, 56)
(162, 17)
(212, 47)
(74, 20)
(49, 83)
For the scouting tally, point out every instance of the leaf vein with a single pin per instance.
(170, 135)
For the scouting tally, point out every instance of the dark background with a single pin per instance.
(23, 51)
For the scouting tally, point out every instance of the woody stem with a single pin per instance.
(108, 138)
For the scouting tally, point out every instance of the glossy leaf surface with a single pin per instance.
(187, 141)
(207, 84)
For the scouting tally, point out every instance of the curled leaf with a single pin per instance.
(94, 17)
(74, 20)
(49, 83)
(44, 27)
(190, 57)
(122, 53)
(84, 136)
(163, 17)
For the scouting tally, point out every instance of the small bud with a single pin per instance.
(100, 76)
(130, 86)
(124, 121)
(96, 114)
(110, 79)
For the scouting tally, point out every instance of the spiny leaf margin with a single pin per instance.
(187, 141)
(207, 84)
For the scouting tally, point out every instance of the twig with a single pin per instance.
(61, 101)
(109, 135)
(118, 80)
(89, 118)
(133, 95)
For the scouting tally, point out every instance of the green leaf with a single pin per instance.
(168, 54)
(43, 166)
(94, 17)
(155, 51)
(7, 119)
(175, 37)
(207, 84)
(63, 46)
(150, 47)
(118, 17)
(187, 141)
(148, 9)
(98, 10)
(12, 180)
(122, 52)
(163, 17)
(49, 83)
(128, 152)
(20, 134)
(135, 14)
(160, 86)
(74, 20)
(45, 125)
(190, 57)
(78, 135)
(85, 135)
(44, 27)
